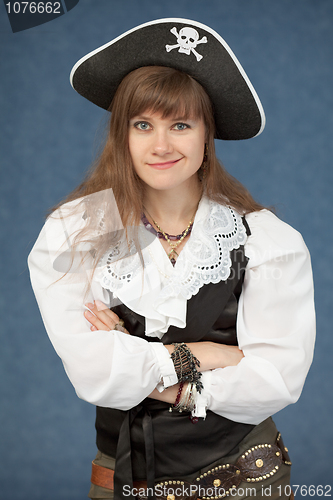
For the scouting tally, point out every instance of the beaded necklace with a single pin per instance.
(167, 237)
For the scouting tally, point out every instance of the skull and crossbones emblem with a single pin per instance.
(188, 39)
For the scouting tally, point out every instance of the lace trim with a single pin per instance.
(119, 266)
(204, 259)
(206, 256)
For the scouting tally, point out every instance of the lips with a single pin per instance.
(165, 165)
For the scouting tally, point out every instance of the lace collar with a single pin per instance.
(158, 291)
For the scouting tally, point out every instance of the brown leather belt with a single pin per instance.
(256, 464)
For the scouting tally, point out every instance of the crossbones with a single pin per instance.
(188, 39)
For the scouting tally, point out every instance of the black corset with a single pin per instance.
(180, 448)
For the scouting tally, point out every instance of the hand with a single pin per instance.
(102, 318)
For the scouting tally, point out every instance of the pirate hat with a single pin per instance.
(185, 45)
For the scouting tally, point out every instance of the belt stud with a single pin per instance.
(259, 462)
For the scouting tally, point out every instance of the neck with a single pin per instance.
(172, 209)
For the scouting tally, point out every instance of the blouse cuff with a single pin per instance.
(168, 373)
(202, 399)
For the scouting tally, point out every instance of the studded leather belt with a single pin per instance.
(255, 465)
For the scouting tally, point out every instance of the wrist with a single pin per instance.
(170, 348)
(186, 365)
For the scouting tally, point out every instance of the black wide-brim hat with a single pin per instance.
(185, 45)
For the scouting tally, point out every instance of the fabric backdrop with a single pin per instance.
(49, 135)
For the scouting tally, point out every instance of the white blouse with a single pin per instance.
(275, 321)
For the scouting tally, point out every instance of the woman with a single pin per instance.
(198, 322)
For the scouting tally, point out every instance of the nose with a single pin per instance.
(161, 143)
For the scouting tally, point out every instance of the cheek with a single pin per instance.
(134, 149)
(199, 153)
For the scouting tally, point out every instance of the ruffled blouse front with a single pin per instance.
(275, 323)
(161, 294)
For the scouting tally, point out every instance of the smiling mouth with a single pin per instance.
(164, 165)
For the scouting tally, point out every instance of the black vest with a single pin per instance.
(179, 447)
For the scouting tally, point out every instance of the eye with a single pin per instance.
(142, 125)
(181, 126)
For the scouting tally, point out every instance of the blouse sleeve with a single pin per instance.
(107, 368)
(275, 327)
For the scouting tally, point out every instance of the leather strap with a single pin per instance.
(101, 476)
(257, 463)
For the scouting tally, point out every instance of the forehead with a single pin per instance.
(168, 109)
(150, 114)
(169, 98)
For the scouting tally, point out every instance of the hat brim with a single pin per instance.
(237, 109)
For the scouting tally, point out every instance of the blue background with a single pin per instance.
(48, 138)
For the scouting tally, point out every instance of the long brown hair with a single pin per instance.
(171, 93)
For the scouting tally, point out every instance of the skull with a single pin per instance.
(188, 39)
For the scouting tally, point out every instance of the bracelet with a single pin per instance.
(181, 385)
(187, 402)
(186, 365)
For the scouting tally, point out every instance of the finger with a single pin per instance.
(100, 305)
(97, 304)
(107, 313)
(103, 318)
(107, 316)
(96, 322)
(100, 310)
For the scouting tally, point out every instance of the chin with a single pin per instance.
(169, 184)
